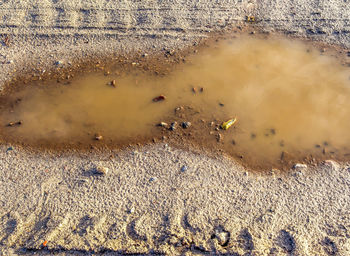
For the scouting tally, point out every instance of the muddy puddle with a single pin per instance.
(292, 103)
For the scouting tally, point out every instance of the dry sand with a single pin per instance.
(145, 203)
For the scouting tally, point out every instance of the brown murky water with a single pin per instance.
(290, 102)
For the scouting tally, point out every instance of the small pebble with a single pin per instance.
(184, 168)
(100, 169)
(273, 171)
(98, 137)
(218, 137)
(179, 109)
(159, 98)
(299, 166)
(113, 83)
(163, 124)
(283, 154)
(222, 236)
(173, 126)
(14, 123)
(331, 163)
(185, 125)
(131, 210)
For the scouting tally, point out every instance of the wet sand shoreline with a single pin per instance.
(160, 65)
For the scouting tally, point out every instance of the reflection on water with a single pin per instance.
(287, 100)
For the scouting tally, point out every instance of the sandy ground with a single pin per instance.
(148, 203)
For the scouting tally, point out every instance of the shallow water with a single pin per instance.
(289, 101)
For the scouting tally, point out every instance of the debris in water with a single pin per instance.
(185, 125)
(282, 155)
(228, 123)
(173, 126)
(159, 98)
(98, 136)
(163, 124)
(113, 83)
(14, 123)
(179, 109)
